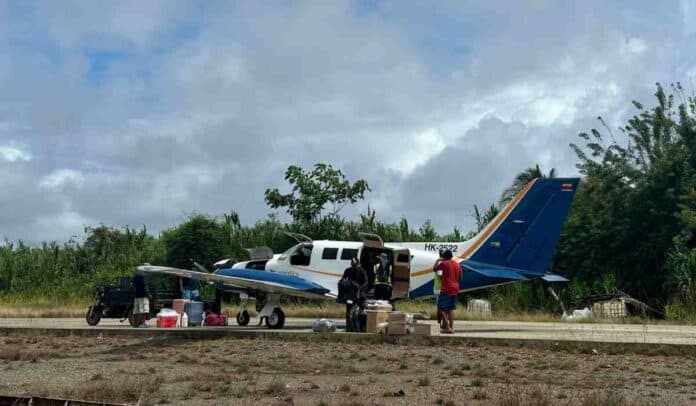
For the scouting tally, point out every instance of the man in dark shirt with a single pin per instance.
(141, 305)
(357, 275)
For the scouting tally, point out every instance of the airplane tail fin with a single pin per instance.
(523, 236)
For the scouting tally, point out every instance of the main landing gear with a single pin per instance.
(270, 313)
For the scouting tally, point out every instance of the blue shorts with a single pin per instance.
(191, 294)
(447, 302)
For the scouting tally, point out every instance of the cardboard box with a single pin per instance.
(426, 329)
(398, 317)
(374, 319)
(397, 329)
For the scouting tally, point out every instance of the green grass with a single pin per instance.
(424, 381)
(275, 387)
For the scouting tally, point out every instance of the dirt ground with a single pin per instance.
(246, 371)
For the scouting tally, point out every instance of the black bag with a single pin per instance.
(347, 290)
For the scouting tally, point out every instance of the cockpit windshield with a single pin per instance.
(290, 250)
(300, 254)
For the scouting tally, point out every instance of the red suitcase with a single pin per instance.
(212, 319)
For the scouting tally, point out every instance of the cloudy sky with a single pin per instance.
(140, 112)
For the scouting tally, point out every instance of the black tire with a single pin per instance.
(243, 318)
(93, 316)
(276, 320)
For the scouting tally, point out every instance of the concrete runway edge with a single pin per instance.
(572, 346)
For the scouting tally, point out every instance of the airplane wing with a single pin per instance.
(252, 279)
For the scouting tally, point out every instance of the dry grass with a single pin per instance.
(316, 373)
(16, 308)
(118, 388)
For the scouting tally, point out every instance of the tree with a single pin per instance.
(313, 190)
(521, 180)
(636, 202)
(200, 238)
(482, 219)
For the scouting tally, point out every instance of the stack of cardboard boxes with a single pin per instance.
(377, 316)
(400, 323)
(382, 320)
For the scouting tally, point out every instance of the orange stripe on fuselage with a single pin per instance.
(422, 272)
(338, 275)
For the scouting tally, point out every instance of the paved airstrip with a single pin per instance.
(658, 334)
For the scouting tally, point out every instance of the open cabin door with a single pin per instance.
(371, 240)
(401, 274)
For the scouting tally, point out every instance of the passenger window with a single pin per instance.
(301, 256)
(348, 253)
(329, 253)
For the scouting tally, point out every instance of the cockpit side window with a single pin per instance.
(302, 255)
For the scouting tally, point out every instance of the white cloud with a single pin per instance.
(61, 227)
(635, 46)
(408, 155)
(12, 154)
(688, 9)
(61, 178)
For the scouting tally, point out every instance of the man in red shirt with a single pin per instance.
(450, 273)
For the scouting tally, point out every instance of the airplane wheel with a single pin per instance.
(243, 318)
(277, 319)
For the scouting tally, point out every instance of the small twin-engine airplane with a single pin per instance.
(517, 245)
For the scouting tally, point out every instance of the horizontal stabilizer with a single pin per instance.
(550, 277)
(493, 271)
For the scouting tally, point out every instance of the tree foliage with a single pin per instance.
(200, 238)
(483, 218)
(313, 190)
(636, 203)
(521, 181)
